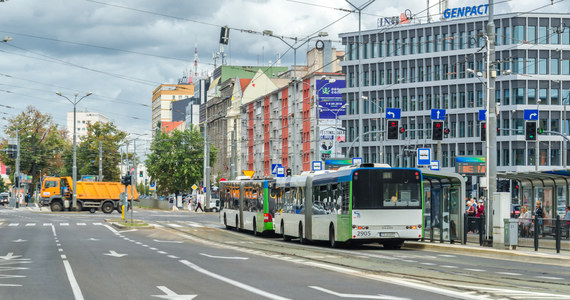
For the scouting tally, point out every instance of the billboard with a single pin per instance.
(329, 145)
(331, 105)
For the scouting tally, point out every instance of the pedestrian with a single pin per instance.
(198, 205)
(525, 221)
(538, 215)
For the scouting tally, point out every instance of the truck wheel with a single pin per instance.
(107, 207)
(56, 206)
(79, 206)
(92, 210)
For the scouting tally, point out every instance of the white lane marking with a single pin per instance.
(127, 230)
(475, 270)
(63, 224)
(93, 239)
(60, 250)
(156, 225)
(74, 286)
(97, 224)
(81, 224)
(161, 252)
(522, 294)
(224, 257)
(174, 242)
(174, 256)
(446, 255)
(172, 295)
(63, 256)
(1, 284)
(9, 256)
(30, 224)
(449, 267)
(111, 228)
(59, 245)
(19, 241)
(48, 224)
(194, 224)
(175, 225)
(146, 246)
(232, 282)
(114, 254)
(138, 243)
(409, 260)
(13, 224)
(509, 273)
(53, 230)
(428, 264)
(360, 296)
(548, 277)
(153, 249)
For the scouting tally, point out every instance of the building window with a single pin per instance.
(531, 94)
(404, 46)
(519, 96)
(470, 128)
(436, 43)
(421, 45)
(471, 100)
(421, 102)
(479, 98)
(531, 66)
(542, 66)
(420, 74)
(380, 50)
(428, 73)
(413, 103)
(554, 157)
(405, 103)
(373, 77)
(366, 107)
(507, 98)
(506, 126)
(462, 129)
(506, 36)
(566, 36)
(498, 38)
(542, 34)
(381, 77)
(389, 76)
(388, 48)
(428, 102)
(366, 78)
(554, 38)
(554, 68)
(542, 94)
(436, 72)
(420, 131)
(555, 96)
(445, 101)
(565, 66)
(429, 44)
(412, 45)
(444, 42)
(412, 74)
(453, 129)
(532, 34)
(404, 74)
(518, 157)
(365, 50)
(518, 34)
(462, 100)
(396, 47)
(453, 100)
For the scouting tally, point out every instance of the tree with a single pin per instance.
(3, 187)
(176, 160)
(88, 151)
(42, 144)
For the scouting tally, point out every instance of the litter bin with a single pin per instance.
(511, 233)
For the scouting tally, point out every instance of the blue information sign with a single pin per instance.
(531, 114)
(356, 161)
(424, 156)
(317, 165)
(280, 171)
(393, 113)
(482, 115)
(437, 114)
(274, 168)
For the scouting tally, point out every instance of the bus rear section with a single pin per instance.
(386, 206)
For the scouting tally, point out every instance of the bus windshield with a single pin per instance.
(386, 189)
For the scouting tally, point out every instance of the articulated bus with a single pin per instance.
(246, 205)
(358, 204)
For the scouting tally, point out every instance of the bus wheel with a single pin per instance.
(255, 233)
(226, 222)
(332, 241)
(285, 237)
(301, 238)
(237, 224)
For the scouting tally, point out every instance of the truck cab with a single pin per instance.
(53, 187)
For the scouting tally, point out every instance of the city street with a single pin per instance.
(46, 255)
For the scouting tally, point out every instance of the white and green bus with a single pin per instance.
(246, 205)
(358, 204)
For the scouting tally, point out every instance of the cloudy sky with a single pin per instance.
(121, 50)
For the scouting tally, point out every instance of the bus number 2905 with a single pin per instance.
(363, 233)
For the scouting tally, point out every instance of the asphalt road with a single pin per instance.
(80, 256)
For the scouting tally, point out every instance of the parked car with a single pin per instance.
(4, 199)
(515, 210)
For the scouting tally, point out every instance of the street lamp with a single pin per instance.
(294, 46)
(74, 170)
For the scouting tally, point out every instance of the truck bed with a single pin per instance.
(87, 190)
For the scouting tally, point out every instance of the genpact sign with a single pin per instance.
(466, 11)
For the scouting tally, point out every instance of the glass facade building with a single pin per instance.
(419, 67)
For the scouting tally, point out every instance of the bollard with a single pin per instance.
(480, 223)
(465, 227)
(558, 232)
(123, 212)
(536, 228)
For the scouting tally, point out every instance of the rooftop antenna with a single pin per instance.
(196, 60)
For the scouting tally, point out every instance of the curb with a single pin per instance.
(121, 226)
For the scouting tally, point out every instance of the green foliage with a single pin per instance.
(176, 160)
(42, 143)
(88, 151)
(3, 186)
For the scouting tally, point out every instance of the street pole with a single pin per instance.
(492, 120)
(18, 168)
(206, 178)
(360, 74)
(74, 169)
(134, 178)
(537, 143)
(100, 161)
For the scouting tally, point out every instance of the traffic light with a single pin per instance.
(126, 180)
(140, 173)
(392, 130)
(446, 131)
(530, 131)
(288, 172)
(483, 131)
(437, 131)
(224, 35)
(12, 151)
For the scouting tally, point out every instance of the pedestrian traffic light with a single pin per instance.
(288, 172)
(530, 131)
(140, 173)
(446, 131)
(392, 129)
(483, 131)
(437, 131)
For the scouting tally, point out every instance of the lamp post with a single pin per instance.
(294, 46)
(75, 102)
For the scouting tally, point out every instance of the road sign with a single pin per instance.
(194, 187)
(393, 113)
(280, 171)
(274, 168)
(317, 165)
(531, 114)
(248, 173)
(482, 115)
(356, 161)
(424, 156)
(152, 186)
(437, 114)
(434, 165)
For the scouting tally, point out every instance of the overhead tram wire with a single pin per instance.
(63, 62)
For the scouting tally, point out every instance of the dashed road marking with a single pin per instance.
(63, 224)
(81, 224)
(509, 273)
(13, 224)
(550, 278)
(474, 270)
(31, 224)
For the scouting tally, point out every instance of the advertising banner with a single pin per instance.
(330, 139)
(331, 105)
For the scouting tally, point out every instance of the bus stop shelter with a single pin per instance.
(549, 187)
(443, 206)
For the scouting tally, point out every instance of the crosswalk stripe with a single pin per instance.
(196, 225)
(31, 224)
(97, 224)
(175, 225)
(63, 224)
(81, 224)
(13, 224)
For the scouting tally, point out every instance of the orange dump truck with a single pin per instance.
(57, 194)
